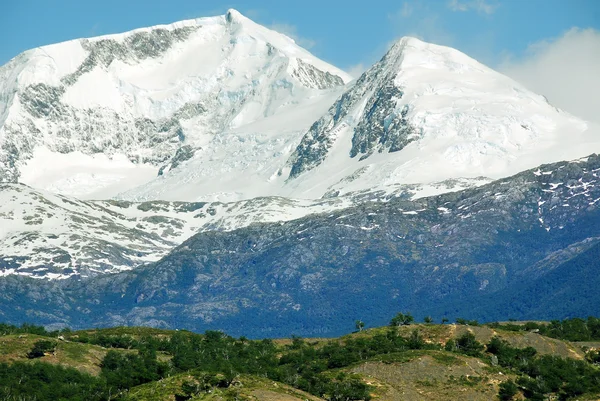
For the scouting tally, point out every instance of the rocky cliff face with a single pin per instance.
(374, 100)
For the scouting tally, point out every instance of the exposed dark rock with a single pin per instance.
(137, 46)
(476, 254)
(381, 126)
(312, 77)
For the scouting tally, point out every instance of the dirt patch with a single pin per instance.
(426, 378)
(271, 395)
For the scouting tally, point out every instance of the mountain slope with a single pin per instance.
(307, 276)
(43, 235)
(427, 113)
(223, 109)
(304, 223)
(422, 114)
(117, 108)
(417, 361)
(557, 285)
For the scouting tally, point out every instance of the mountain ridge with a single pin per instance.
(134, 114)
(433, 256)
(429, 183)
(142, 96)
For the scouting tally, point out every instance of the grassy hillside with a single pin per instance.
(245, 387)
(83, 357)
(398, 362)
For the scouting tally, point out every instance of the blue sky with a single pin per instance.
(345, 35)
(550, 46)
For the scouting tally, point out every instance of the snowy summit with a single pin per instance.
(101, 138)
(223, 109)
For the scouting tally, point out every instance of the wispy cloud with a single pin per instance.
(356, 70)
(564, 69)
(406, 10)
(480, 6)
(416, 18)
(292, 32)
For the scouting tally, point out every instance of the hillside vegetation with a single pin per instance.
(514, 360)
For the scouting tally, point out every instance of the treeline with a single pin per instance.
(574, 329)
(40, 381)
(540, 376)
(25, 328)
(216, 360)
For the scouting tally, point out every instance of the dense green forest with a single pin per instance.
(215, 361)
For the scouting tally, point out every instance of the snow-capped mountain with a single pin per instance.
(526, 246)
(428, 113)
(223, 109)
(93, 117)
(423, 114)
(44, 235)
(216, 123)
(49, 236)
(238, 175)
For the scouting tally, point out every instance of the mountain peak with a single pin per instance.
(429, 113)
(150, 87)
(234, 16)
(409, 41)
(409, 52)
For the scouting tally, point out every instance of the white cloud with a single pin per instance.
(292, 32)
(406, 9)
(565, 70)
(356, 70)
(481, 6)
(424, 23)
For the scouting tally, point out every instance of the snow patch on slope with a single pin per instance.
(83, 176)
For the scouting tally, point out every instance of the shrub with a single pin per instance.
(508, 390)
(40, 348)
(468, 345)
(402, 319)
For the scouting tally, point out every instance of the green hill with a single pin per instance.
(399, 362)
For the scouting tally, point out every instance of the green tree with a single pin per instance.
(415, 340)
(127, 370)
(450, 345)
(359, 324)
(402, 319)
(39, 381)
(40, 348)
(468, 345)
(428, 319)
(593, 357)
(508, 390)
